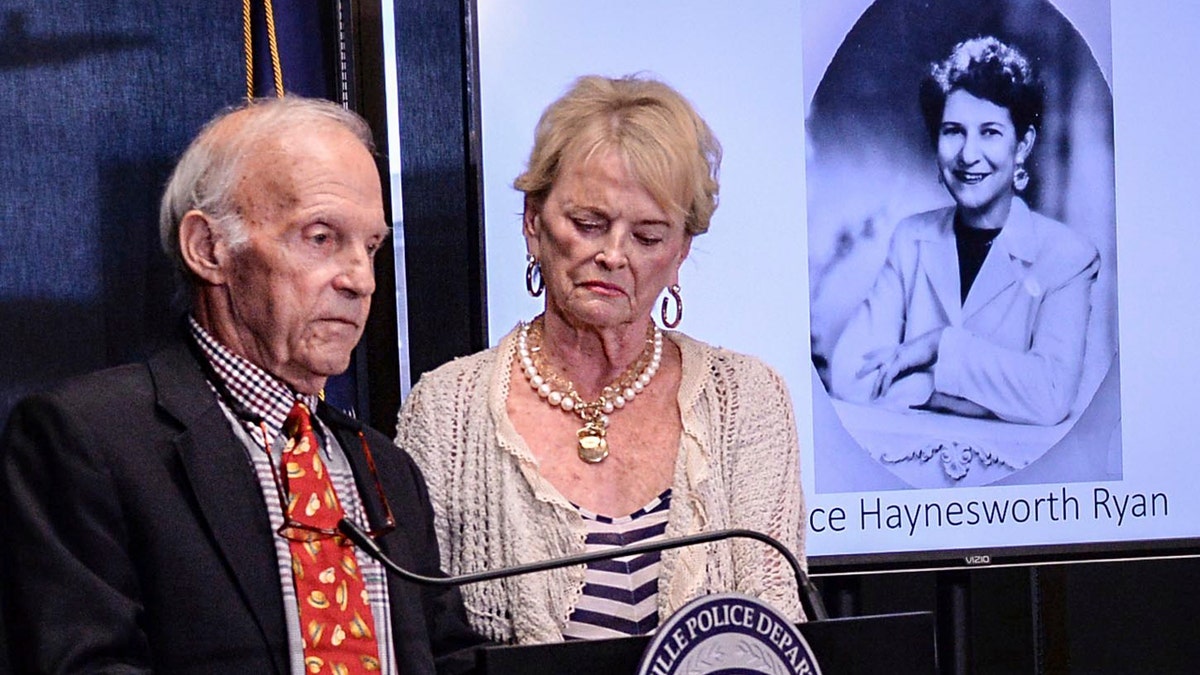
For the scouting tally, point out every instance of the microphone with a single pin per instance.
(810, 597)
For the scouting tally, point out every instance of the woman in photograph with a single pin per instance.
(981, 308)
(588, 426)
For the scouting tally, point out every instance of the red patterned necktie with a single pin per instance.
(335, 614)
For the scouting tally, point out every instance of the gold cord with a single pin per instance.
(276, 67)
(248, 49)
(272, 46)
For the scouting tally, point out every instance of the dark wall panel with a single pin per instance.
(442, 231)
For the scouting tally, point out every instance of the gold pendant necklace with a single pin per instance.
(592, 444)
(593, 447)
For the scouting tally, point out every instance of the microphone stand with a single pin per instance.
(810, 597)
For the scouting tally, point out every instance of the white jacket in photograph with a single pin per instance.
(1015, 346)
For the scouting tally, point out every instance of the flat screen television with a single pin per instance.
(816, 105)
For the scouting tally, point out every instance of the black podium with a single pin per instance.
(885, 644)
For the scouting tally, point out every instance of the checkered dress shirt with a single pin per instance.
(258, 392)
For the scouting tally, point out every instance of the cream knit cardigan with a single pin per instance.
(738, 467)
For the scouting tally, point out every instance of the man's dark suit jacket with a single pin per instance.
(135, 536)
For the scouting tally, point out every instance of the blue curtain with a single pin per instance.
(97, 100)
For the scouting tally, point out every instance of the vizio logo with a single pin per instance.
(978, 559)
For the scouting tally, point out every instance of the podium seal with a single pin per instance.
(728, 634)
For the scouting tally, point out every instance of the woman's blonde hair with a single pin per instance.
(667, 146)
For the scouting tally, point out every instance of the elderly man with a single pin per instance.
(178, 515)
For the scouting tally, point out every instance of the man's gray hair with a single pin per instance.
(207, 173)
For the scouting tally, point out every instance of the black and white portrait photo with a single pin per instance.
(961, 242)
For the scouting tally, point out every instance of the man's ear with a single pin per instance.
(199, 248)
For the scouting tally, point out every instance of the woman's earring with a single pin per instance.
(673, 289)
(533, 276)
(1020, 178)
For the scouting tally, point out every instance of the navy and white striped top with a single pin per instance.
(620, 597)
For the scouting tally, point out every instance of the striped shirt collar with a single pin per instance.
(251, 388)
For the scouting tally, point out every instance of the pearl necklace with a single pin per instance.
(593, 447)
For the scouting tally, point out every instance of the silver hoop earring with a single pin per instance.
(1020, 178)
(673, 290)
(533, 276)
